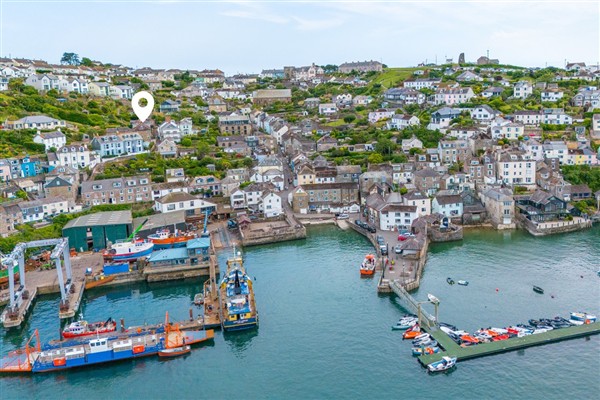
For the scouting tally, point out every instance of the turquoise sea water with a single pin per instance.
(325, 333)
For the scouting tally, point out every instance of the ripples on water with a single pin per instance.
(325, 333)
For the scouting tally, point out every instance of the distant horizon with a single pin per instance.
(247, 37)
(430, 63)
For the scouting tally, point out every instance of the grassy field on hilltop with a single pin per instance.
(392, 77)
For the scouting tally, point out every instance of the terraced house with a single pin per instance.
(134, 189)
(116, 145)
(235, 125)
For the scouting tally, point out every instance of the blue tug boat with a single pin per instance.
(236, 294)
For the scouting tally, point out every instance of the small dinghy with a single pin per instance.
(538, 289)
(450, 281)
(174, 351)
(463, 283)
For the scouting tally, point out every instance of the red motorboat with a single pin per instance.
(83, 328)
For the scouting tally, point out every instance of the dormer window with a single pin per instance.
(97, 187)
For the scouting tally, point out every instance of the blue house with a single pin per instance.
(30, 167)
(196, 252)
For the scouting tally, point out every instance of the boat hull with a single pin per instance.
(99, 282)
(129, 256)
(174, 352)
(232, 326)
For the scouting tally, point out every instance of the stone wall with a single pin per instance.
(549, 228)
(453, 233)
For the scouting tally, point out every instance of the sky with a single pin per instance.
(248, 36)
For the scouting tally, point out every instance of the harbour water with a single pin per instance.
(325, 333)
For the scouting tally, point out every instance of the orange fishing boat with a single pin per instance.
(368, 265)
(412, 333)
(164, 239)
(469, 339)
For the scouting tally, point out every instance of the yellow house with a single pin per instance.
(306, 176)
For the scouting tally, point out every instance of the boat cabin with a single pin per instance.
(98, 345)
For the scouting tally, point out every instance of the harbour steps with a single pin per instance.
(487, 349)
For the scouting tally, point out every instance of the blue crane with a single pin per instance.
(205, 232)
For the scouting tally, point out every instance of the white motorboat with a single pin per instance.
(444, 364)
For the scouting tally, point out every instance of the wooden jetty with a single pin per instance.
(211, 313)
(487, 349)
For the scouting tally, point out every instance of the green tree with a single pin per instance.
(70, 59)
(186, 142)
(385, 146)
(87, 62)
(375, 158)
(403, 190)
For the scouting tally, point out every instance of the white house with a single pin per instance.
(273, 175)
(484, 113)
(522, 90)
(412, 143)
(448, 205)
(422, 83)
(441, 118)
(74, 156)
(327, 109)
(528, 117)
(271, 205)
(507, 130)
(37, 210)
(556, 116)
(469, 76)
(238, 199)
(557, 150)
(42, 122)
(121, 92)
(552, 95)
(43, 82)
(380, 114)
(182, 201)
(397, 216)
(54, 139)
(514, 168)
(419, 200)
(3, 83)
(401, 121)
(533, 149)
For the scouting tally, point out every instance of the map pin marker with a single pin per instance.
(142, 112)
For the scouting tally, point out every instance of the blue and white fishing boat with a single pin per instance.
(236, 293)
(580, 318)
(443, 365)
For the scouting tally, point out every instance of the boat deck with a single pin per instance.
(15, 362)
(487, 349)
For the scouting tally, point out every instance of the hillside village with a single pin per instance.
(479, 143)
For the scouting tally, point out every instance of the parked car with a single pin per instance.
(380, 239)
(383, 249)
(397, 249)
(370, 228)
(343, 216)
(358, 222)
(403, 236)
